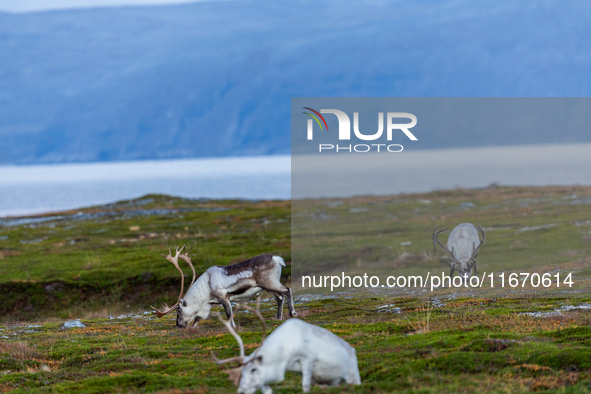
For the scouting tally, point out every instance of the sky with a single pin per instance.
(45, 5)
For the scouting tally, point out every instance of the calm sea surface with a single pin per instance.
(45, 188)
(343, 175)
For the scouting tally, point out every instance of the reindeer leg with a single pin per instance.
(307, 369)
(286, 293)
(280, 300)
(267, 389)
(292, 312)
(451, 274)
(228, 309)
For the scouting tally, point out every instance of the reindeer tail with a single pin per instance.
(279, 260)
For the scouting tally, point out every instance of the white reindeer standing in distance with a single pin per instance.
(221, 285)
(318, 354)
(463, 245)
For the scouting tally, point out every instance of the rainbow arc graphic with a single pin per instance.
(316, 118)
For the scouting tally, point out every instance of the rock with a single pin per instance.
(54, 286)
(389, 308)
(73, 324)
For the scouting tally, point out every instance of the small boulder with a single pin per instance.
(73, 324)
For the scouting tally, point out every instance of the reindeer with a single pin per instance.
(221, 285)
(461, 247)
(318, 354)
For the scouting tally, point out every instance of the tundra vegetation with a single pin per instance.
(529, 230)
(103, 266)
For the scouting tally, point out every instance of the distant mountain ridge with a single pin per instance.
(216, 79)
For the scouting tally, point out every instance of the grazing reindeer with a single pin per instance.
(461, 247)
(221, 285)
(318, 354)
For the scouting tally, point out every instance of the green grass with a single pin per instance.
(527, 230)
(112, 262)
(109, 264)
(467, 345)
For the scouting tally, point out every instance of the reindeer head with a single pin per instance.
(188, 314)
(248, 376)
(464, 267)
(252, 378)
(165, 309)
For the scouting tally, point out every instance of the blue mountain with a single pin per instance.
(216, 78)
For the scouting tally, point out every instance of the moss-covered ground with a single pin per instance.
(467, 345)
(105, 261)
(108, 260)
(528, 230)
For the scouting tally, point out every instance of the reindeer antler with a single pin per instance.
(260, 317)
(475, 249)
(165, 309)
(436, 239)
(185, 256)
(228, 325)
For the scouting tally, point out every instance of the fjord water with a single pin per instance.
(46, 188)
(347, 174)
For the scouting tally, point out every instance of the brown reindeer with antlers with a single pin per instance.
(221, 285)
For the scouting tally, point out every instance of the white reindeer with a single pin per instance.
(221, 285)
(462, 247)
(318, 354)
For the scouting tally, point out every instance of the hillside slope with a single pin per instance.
(215, 79)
